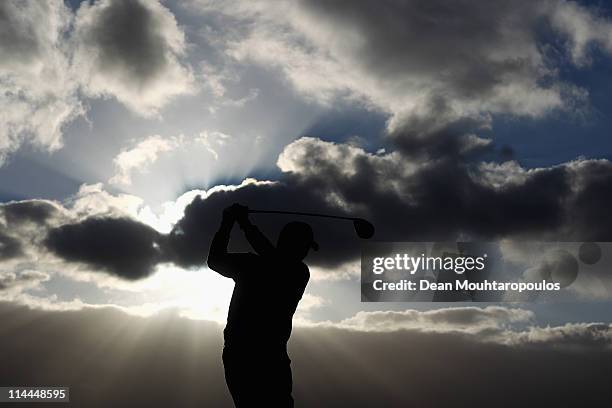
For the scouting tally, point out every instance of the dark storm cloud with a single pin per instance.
(18, 216)
(449, 201)
(10, 247)
(127, 36)
(467, 47)
(120, 246)
(439, 199)
(436, 132)
(165, 361)
(132, 50)
(36, 211)
(435, 197)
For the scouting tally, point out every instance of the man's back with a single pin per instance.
(265, 297)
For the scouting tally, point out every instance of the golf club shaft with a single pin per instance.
(300, 213)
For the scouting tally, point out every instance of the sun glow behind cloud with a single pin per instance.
(199, 294)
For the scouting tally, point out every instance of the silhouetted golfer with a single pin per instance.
(269, 285)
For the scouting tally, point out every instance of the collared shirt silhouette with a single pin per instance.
(269, 286)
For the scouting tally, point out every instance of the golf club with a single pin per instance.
(363, 228)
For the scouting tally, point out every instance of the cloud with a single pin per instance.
(448, 195)
(434, 130)
(10, 247)
(50, 58)
(571, 335)
(81, 230)
(22, 223)
(309, 302)
(34, 211)
(143, 154)
(583, 28)
(398, 368)
(12, 283)
(92, 200)
(121, 246)
(131, 50)
(491, 324)
(481, 57)
(37, 89)
(422, 197)
(471, 320)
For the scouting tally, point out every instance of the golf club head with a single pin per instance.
(363, 228)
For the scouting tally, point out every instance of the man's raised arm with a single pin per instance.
(218, 258)
(258, 241)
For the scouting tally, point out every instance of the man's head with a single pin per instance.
(295, 239)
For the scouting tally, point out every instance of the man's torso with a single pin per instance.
(265, 297)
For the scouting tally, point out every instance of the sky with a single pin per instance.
(127, 126)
